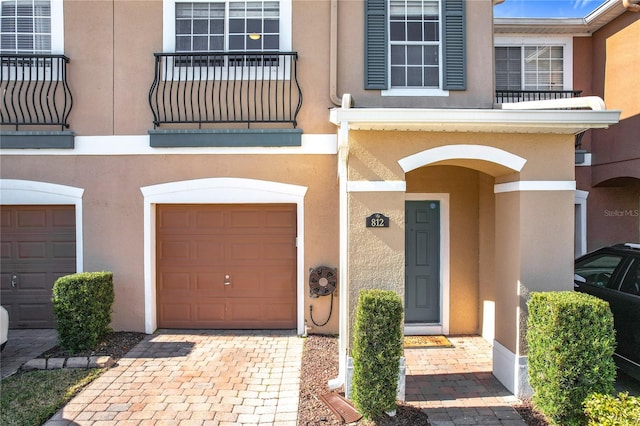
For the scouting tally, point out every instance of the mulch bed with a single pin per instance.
(115, 344)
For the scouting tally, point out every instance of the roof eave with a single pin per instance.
(474, 120)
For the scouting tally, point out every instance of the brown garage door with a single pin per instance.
(38, 246)
(226, 266)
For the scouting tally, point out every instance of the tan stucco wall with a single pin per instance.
(479, 33)
(502, 246)
(111, 71)
(113, 209)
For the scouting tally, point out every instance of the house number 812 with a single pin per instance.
(377, 220)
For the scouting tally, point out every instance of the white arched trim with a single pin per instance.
(462, 152)
(217, 191)
(29, 192)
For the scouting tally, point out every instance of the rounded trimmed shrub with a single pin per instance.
(571, 342)
(608, 410)
(377, 348)
(82, 306)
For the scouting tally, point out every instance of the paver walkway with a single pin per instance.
(196, 378)
(455, 385)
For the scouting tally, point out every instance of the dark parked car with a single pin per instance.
(613, 274)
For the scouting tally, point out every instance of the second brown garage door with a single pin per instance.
(226, 266)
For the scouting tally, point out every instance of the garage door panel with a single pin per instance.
(31, 218)
(253, 244)
(209, 251)
(31, 250)
(38, 246)
(211, 311)
(209, 220)
(173, 281)
(175, 250)
(176, 311)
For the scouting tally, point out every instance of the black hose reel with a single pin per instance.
(323, 281)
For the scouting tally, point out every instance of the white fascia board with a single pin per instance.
(475, 120)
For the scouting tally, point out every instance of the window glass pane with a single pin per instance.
(216, 43)
(42, 43)
(42, 25)
(8, 24)
(597, 271)
(183, 27)
(431, 55)
(397, 77)
(631, 282)
(8, 42)
(25, 42)
(42, 8)
(397, 31)
(431, 31)
(414, 34)
(200, 43)
(414, 55)
(431, 76)
(201, 26)
(414, 31)
(206, 26)
(414, 76)
(183, 44)
(398, 55)
(25, 25)
(271, 42)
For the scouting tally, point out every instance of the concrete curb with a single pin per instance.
(72, 362)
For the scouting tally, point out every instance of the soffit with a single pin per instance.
(474, 120)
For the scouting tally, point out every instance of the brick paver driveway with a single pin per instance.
(196, 377)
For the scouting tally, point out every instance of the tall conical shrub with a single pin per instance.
(377, 348)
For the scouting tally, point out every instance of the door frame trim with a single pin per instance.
(218, 191)
(445, 285)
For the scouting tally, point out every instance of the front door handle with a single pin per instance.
(14, 280)
(227, 280)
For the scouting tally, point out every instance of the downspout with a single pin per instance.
(333, 55)
(343, 329)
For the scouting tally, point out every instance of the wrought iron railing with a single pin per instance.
(240, 87)
(508, 96)
(34, 90)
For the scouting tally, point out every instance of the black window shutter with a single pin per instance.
(375, 44)
(454, 46)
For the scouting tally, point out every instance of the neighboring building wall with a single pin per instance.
(607, 61)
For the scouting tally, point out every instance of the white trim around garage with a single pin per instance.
(217, 191)
(29, 192)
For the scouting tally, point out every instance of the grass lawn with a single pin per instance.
(31, 398)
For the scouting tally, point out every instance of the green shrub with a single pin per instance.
(377, 348)
(571, 342)
(607, 410)
(82, 306)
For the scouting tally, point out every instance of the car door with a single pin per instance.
(625, 305)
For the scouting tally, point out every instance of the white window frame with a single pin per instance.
(169, 23)
(43, 73)
(528, 41)
(417, 91)
(253, 73)
(57, 27)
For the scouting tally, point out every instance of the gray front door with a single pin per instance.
(422, 262)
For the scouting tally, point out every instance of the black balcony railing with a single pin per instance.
(34, 90)
(205, 87)
(509, 96)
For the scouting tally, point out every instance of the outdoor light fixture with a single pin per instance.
(254, 36)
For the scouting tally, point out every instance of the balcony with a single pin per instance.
(511, 96)
(34, 90)
(218, 88)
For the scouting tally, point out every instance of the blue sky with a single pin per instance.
(546, 8)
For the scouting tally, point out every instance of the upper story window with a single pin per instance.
(415, 47)
(414, 38)
(533, 64)
(529, 68)
(31, 26)
(227, 25)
